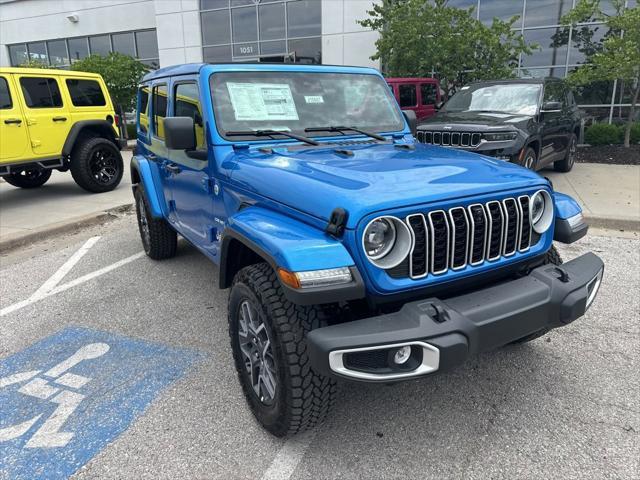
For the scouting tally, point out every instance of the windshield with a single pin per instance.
(518, 98)
(295, 101)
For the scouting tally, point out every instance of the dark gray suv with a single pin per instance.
(532, 122)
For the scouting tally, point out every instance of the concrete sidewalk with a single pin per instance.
(609, 194)
(60, 205)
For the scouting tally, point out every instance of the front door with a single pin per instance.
(46, 116)
(188, 177)
(13, 130)
(553, 124)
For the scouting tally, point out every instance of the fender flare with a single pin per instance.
(146, 174)
(287, 243)
(78, 127)
(569, 223)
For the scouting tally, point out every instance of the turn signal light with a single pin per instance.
(315, 278)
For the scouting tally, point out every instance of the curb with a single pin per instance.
(61, 228)
(624, 224)
(611, 223)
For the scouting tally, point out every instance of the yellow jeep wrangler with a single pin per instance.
(62, 120)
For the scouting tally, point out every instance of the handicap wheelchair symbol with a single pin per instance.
(49, 386)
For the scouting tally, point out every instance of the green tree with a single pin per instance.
(33, 63)
(424, 38)
(618, 57)
(121, 73)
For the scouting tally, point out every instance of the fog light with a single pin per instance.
(402, 355)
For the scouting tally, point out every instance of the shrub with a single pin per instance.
(131, 131)
(635, 133)
(604, 134)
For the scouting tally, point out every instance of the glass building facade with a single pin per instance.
(261, 30)
(62, 52)
(562, 48)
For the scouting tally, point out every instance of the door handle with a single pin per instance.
(15, 121)
(173, 168)
(59, 119)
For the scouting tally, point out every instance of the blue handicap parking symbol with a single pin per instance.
(69, 395)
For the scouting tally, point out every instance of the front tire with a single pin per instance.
(159, 240)
(268, 340)
(551, 257)
(530, 159)
(96, 164)
(566, 164)
(28, 178)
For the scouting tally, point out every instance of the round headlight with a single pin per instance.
(541, 211)
(386, 241)
(379, 238)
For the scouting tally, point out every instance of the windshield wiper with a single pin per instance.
(270, 133)
(345, 129)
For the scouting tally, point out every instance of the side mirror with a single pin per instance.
(179, 133)
(412, 120)
(439, 105)
(550, 107)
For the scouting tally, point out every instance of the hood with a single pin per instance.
(375, 178)
(473, 120)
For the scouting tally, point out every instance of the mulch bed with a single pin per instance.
(610, 154)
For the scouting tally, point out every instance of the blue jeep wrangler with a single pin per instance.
(350, 251)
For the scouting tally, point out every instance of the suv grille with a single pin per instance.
(462, 236)
(449, 139)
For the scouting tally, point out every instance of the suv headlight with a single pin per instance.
(541, 211)
(386, 241)
(500, 136)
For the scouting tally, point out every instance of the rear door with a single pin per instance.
(47, 117)
(13, 129)
(408, 96)
(428, 100)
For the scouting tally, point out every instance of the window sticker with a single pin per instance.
(313, 99)
(262, 101)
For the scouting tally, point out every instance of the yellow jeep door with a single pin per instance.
(47, 117)
(14, 141)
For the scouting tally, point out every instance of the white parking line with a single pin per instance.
(52, 287)
(289, 457)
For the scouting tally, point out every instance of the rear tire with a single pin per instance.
(96, 164)
(28, 178)
(285, 395)
(551, 257)
(159, 240)
(566, 164)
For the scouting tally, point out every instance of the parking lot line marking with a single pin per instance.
(96, 273)
(73, 283)
(289, 457)
(57, 277)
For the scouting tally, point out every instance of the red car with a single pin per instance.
(422, 95)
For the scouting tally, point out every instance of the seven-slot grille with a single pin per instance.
(449, 139)
(462, 236)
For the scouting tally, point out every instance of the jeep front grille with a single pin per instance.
(449, 139)
(466, 236)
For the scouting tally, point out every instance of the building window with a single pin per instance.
(277, 30)
(61, 53)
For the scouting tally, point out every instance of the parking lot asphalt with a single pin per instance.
(564, 406)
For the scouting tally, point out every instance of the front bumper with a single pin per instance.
(443, 333)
